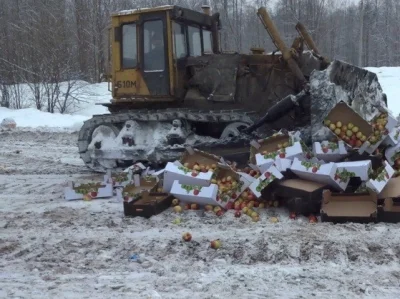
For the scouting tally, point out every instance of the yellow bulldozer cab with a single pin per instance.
(148, 50)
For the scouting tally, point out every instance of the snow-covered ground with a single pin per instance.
(51, 248)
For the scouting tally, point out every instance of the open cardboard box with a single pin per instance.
(361, 169)
(323, 173)
(380, 132)
(264, 153)
(389, 202)
(202, 195)
(381, 178)
(186, 175)
(303, 197)
(131, 191)
(393, 138)
(265, 180)
(77, 191)
(352, 207)
(344, 114)
(329, 151)
(147, 204)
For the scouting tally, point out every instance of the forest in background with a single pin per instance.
(46, 42)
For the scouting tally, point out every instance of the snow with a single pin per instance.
(89, 94)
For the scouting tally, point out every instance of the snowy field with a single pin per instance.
(50, 248)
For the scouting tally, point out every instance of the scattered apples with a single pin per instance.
(187, 237)
(215, 244)
(175, 202)
(194, 206)
(178, 209)
(261, 205)
(292, 215)
(208, 208)
(238, 214)
(312, 219)
(177, 221)
(274, 220)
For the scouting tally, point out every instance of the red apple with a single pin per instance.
(219, 213)
(314, 169)
(292, 215)
(215, 244)
(194, 206)
(267, 175)
(186, 237)
(196, 192)
(238, 214)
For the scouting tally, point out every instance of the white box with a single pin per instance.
(202, 195)
(176, 171)
(283, 164)
(382, 179)
(319, 172)
(361, 169)
(290, 152)
(392, 154)
(393, 138)
(72, 191)
(329, 151)
(264, 180)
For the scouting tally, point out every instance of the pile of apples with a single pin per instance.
(196, 168)
(254, 173)
(379, 128)
(349, 133)
(227, 187)
(280, 150)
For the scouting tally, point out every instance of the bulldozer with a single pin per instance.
(173, 87)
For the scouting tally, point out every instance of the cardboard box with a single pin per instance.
(381, 127)
(264, 153)
(265, 180)
(186, 175)
(118, 179)
(283, 164)
(380, 178)
(329, 151)
(344, 114)
(303, 197)
(322, 173)
(361, 169)
(389, 202)
(341, 208)
(78, 191)
(393, 138)
(131, 191)
(392, 153)
(147, 204)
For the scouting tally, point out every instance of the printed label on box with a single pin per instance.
(264, 180)
(379, 182)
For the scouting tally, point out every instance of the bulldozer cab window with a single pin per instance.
(194, 41)
(179, 41)
(207, 41)
(154, 49)
(129, 46)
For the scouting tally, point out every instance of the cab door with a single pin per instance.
(154, 53)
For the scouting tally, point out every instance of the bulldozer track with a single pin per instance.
(227, 146)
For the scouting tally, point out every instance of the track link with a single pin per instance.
(224, 147)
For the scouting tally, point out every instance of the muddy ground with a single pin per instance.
(51, 248)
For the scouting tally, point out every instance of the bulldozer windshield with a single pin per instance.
(154, 48)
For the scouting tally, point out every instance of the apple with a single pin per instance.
(177, 221)
(194, 206)
(261, 205)
(245, 209)
(344, 128)
(243, 205)
(274, 220)
(214, 181)
(312, 219)
(355, 129)
(349, 133)
(215, 244)
(250, 205)
(332, 127)
(238, 214)
(219, 213)
(186, 237)
(254, 214)
(292, 215)
(87, 197)
(213, 166)
(359, 134)
(244, 194)
(327, 122)
(267, 175)
(175, 202)
(358, 143)
(249, 212)
(187, 206)
(178, 209)
(255, 218)
(282, 155)
(256, 204)
(286, 144)
(251, 196)
(217, 208)
(314, 169)
(350, 126)
(208, 208)
(338, 124)
(236, 206)
(93, 194)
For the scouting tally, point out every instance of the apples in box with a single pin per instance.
(380, 178)
(265, 180)
(361, 169)
(320, 172)
(389, 202)
(382, 124)
(392, 155)
(393, 138)
(350, 207)
(348, 125)
(87, 191)
(329, 151)
(265, 152)
(194, 168)
(147, 204)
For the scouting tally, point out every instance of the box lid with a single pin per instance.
(301, 184)
(349, 205)
(392, 189)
